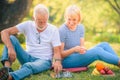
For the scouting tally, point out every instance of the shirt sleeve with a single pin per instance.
(22, 27)
(56, 38)
(82, 31)
(62, 34)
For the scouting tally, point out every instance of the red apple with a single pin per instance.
(106, 69)
(109, 72)
(102, 72)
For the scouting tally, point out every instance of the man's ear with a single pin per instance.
(33, 18)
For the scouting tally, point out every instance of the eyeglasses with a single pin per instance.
(38, 38)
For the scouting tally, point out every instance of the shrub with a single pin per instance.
(112, 38)
(21, 38)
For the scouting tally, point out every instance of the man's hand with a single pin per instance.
(57, 66)
(11, 54)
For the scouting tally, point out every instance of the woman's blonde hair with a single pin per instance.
(73, 11)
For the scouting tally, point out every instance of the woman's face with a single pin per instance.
(72, 21)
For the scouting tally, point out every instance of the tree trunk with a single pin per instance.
(12, 13)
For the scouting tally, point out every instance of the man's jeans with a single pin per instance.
(30, 64)
(102, 52)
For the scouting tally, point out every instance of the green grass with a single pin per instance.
(76, 76)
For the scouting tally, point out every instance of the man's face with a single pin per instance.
(41, 20)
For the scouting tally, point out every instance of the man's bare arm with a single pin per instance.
(57, 59)
(5, 36)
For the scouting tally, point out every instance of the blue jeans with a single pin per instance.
(30, 64)
(102, 52)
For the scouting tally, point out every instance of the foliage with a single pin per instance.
(108, 37)
(98, 16)
(21, 38)
(95, 14)
(100, 20)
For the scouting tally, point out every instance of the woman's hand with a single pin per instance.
(80, 49)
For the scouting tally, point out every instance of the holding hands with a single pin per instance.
(80, 49)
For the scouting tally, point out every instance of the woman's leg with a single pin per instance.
(106, 46)
(96, 53)
(31, 68)
(22, 55)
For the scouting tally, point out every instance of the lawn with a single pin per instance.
(76, 76)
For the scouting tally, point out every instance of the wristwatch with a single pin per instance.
(56, 59)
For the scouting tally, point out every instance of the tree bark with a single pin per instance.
(12, 13)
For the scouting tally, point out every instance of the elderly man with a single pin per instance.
(42, 46)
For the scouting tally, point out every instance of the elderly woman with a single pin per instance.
(74, 53)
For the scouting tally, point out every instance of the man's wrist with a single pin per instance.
(57, 59)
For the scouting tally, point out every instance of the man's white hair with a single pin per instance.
(40, 9)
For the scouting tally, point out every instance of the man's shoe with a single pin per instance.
(4, 73)
(10, 69)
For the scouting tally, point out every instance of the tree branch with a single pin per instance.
(117, 4)
(117, 10)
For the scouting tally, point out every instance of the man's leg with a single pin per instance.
(22, 56)
(31, 68)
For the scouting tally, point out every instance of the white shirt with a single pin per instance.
(39, 45)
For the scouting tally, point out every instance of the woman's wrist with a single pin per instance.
(73, 50)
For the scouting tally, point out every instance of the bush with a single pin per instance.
(112, 38)
(21, 38)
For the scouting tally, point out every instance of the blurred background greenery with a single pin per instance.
(101, 18)
(101, 21)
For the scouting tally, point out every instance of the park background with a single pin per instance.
(101, 19)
